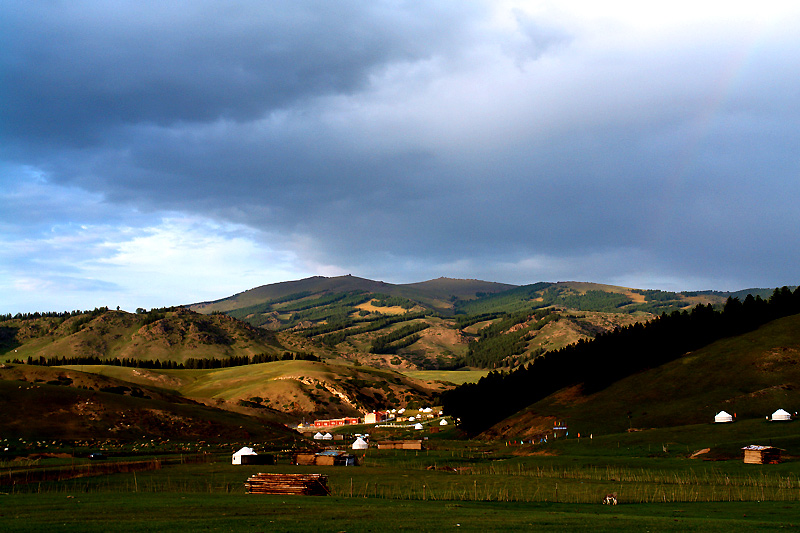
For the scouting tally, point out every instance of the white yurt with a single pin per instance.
(318, 436)
(360, 444)
(417, 426)
(327, 436)
(237, 457)
(443, 422)
(722, 417)
(780, 414)
(411, 418)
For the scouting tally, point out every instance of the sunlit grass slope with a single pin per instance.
(292, 387)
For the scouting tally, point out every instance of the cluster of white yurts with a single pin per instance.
(778, 416)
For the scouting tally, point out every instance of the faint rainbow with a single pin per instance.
(708, 120)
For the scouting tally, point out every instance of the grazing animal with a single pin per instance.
(610, 499)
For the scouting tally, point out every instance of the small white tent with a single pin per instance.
(722, 417)
(780, 414)
(443, 422)
(327, 436)
(417, 426)
(318, 436)
(360, 444)
(237, 457)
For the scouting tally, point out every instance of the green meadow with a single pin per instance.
(220, 512)
(456, 377)
(453, 484)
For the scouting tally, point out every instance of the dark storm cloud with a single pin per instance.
(404, 140)
(76, 70)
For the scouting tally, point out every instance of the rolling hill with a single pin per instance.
(62, 403)
(751, 375)
(101, 402)
(437, 324)
(286, 390)
(445, 323)
(325, 347)
(169, 335)
(437, 295)
(752, 347)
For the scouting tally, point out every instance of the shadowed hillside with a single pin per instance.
(594, 366)
(751, 375)
(58, 403)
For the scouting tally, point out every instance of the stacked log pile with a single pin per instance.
(300, 484)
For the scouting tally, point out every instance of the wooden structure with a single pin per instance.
(760, 455)
(260, 459)
(305, 459)
(326, 458)
(400, 445)
(374, 417)
(299, 484)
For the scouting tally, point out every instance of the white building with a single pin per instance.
(722, 417)
(781, 415)
(237, 457)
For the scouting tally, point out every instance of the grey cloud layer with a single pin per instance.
(418, 134)
(80, 69)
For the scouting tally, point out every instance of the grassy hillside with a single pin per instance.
(286, 390)
(438, 324)
(430, 325)
(168, 335)
(751, 375)
(436, 294)
(59, 403)
(584, 296)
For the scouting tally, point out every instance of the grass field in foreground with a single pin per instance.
(461, 485)
(238, 512)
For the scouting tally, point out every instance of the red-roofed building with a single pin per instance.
(332, 422)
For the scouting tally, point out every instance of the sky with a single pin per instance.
(165, 153)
